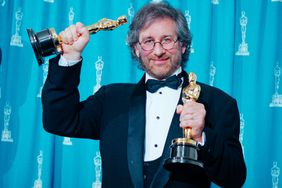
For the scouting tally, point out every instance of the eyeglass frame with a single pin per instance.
(160, 42)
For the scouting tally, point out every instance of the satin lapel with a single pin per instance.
(136, 134)
(175, 131)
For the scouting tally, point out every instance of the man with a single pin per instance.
(135, 126)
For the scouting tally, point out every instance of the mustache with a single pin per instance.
(161, 58)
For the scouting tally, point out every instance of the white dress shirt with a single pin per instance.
(160, 108)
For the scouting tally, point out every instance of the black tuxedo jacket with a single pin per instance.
(115, 115)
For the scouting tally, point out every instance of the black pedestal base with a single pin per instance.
(44, 43)
(183, 156)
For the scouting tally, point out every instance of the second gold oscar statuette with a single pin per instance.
(47, 42)
(184, 151)
(102, 25)
(189, 93)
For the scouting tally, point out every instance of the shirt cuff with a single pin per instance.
(202, 143)
(67, 63)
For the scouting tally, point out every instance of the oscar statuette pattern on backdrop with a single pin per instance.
(237, 47)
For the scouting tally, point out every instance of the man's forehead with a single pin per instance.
(152, 21)
(158, 28)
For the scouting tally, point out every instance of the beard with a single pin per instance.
(159, 73)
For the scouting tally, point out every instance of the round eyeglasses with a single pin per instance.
(167, 43)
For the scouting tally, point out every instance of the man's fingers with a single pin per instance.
(179, 109)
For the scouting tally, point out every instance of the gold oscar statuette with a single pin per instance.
(47, 42)
(184, 151)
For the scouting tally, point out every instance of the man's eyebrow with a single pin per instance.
(163, 36)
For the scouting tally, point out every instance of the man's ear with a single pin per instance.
(183, 48)
(137, 51)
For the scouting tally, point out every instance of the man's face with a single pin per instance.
(159, 62)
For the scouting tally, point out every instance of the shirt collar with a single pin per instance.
(147, 76)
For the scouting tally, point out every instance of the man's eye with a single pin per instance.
(148, 41)
(167, 40)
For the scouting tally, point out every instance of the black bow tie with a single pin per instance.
(172, 82)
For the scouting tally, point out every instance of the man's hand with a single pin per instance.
(74, 40)
(192, 115)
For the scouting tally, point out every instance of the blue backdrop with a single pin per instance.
(237, 47)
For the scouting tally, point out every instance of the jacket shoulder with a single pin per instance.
(210, 92)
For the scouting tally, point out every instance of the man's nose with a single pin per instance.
(158, 49)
